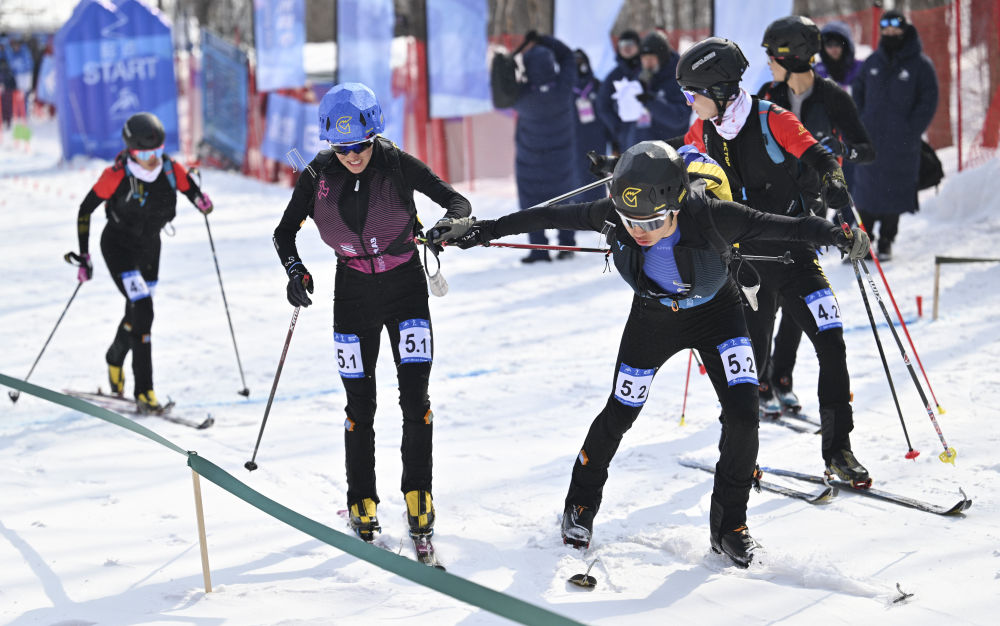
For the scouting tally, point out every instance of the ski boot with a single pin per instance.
(116, 378)
(770, 407)
(420, 513)
(147, 403)
(577, 525)
(789, 401)
(843, 465)
(363, 520)
(737, 544)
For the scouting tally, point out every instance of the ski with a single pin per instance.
(799, 424)
(121, 404)
(964, 503)
(820, 497)
(425, 551)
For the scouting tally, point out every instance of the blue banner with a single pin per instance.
(224, 97)
(111, 62)
(45, 91)
(587, 24)
(367, 25)
(279, 37)
(283, 127)
(457, 53)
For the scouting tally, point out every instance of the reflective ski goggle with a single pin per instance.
(689, 94)
(647, 224)
(346, 148)
(145, 155)
(886, 22)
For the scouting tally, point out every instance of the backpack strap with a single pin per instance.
(773, 149)
(168, 169)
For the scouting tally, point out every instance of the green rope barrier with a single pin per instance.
(90, 409)
(459, 588)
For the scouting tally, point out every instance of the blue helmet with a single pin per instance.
(350, 113)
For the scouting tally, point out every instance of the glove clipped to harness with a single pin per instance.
(300, 285)
(835, 190)
(854, 244)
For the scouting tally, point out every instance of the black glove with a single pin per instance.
(854, 244)
(645, 97)
(833, 145)
(601, 165)
(835, 190)
(449, 228)
(299, 282)
(531, 35)
(481, 233)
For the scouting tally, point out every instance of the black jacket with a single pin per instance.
(708, 226)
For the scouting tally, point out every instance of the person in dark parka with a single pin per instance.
(667, 113)
(545, 142)
(628, 68)
(896, 93)
(591, 133)
(837, 56)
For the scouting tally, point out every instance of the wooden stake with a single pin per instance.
(200, 513)
(937, 280)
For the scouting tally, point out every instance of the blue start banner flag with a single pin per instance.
(224, 97)
(113, 61)
(279, 37)
(457, 57)
(367, 25)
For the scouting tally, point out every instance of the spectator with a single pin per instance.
(621, 80)
(591, 133)
(896, 93)
(7, 87)
(545, 144)
(837, 60)
(665, 113)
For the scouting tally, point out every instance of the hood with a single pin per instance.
(584, 71)
(540, 65)
(844, 32)
(656, 43)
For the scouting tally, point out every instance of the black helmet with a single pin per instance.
(792, 41)
(143, 131)
(713, 66)
(650, 178)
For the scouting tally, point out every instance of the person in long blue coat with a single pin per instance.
(545, 148)
(591, 133)
(897, 94)
(627, 68)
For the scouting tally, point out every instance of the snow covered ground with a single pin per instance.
(97, 525)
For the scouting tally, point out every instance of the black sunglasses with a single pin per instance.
(352, 147)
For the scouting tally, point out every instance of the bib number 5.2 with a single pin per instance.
(738, 362)
(632, 385)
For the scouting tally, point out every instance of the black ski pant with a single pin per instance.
(654, 333)
(888, 227)
(134, 266)
(792, 286)
(364, 304)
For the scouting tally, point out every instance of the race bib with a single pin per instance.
(825, 309)
(632, 385)
(348, 355)
(585, 109)
(135, 285)
(737, 361)
(415, 341)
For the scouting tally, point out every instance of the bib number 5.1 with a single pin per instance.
(415, 341)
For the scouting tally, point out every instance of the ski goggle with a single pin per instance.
(886, 22)
(689, 94)
(346, 148)
(145, 155)
(647, 224)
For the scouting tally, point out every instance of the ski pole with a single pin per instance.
(948, 456)
(911, 454)
(902, 322)
(686, 380)
(532, 246)
(701, 366)
(14, 395)
(245, 392)
(570, 194)
(251, 465)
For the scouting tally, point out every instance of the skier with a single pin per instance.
(139, 192)
(360, 194)
(829, 114)
(776, 166)
(671, 242)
